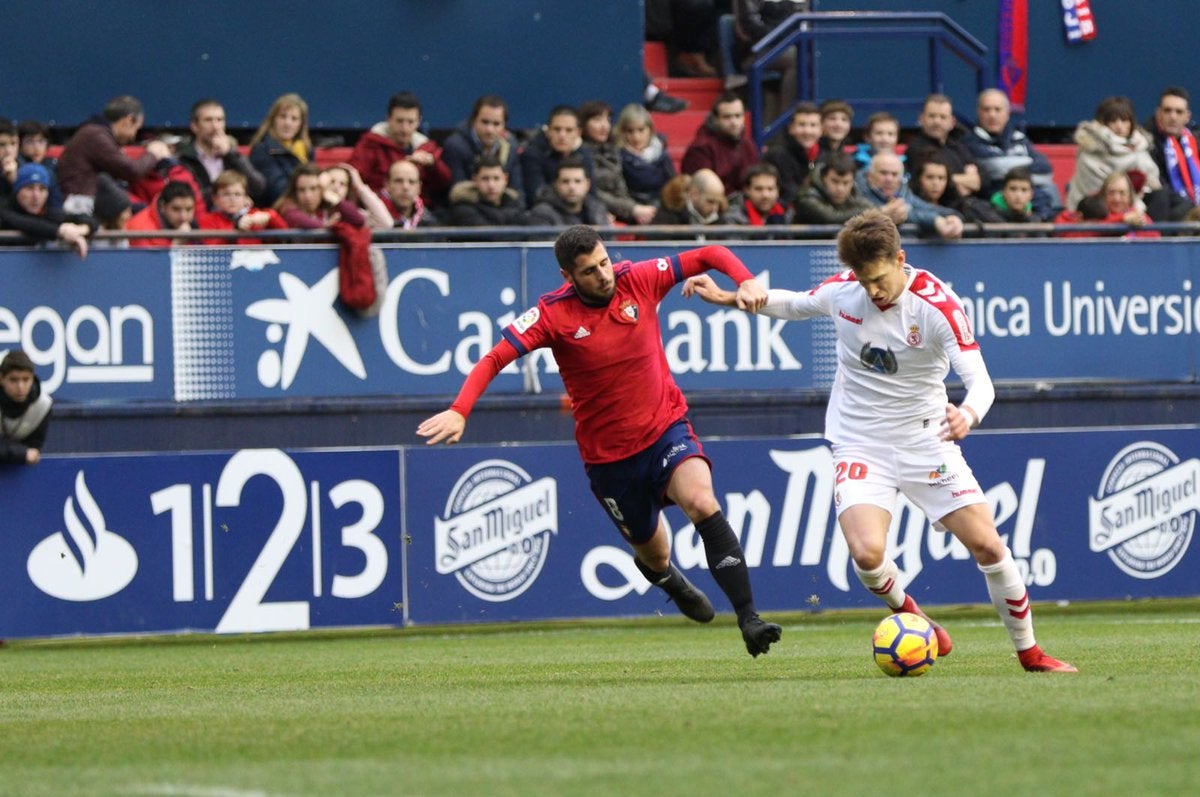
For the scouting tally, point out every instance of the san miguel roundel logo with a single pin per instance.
(1144, 513)
(495, 534)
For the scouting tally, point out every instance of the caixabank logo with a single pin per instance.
(1144, 512)
(495, 533)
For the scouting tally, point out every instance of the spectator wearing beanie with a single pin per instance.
(29, 212)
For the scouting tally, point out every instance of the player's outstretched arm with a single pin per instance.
(708, 290)
(447, 426)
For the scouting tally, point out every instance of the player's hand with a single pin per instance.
(447, 426)
(704, 287)
(957, 423)
(32, 456)
(751, 296)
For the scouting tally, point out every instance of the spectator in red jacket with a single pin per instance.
(722, 143)
(174, 209)
(399, 138)
(234, 211)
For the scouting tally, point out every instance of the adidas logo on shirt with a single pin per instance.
(582, 332)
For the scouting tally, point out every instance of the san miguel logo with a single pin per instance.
(1145, 510)
(496, 531)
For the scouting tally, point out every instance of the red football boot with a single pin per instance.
(1035, 660)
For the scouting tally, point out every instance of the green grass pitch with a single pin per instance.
(652, 706)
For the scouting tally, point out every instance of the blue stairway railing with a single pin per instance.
(803, 31)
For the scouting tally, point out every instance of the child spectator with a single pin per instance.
(35, 143)
(1014, 200)
(402, 198)
(173, 209)
(234, 211)
(280, 144)
(645, 164)
(757, 204)
(830, 196)
(795, 155)
(24, 411)
(836, 116)
(486, 200)
(881, 134)
(30, 213)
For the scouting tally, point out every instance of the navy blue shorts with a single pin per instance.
(633, 491)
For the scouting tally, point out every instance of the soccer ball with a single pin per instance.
(905, 644)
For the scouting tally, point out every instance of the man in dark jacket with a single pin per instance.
(560, 138)
(486, 200)
(570, 203)
(212, 151)
(940, 134)
(24, 411)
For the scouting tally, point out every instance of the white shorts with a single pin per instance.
(933, 475)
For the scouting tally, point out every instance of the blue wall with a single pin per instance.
(536, 53)
(345, 60)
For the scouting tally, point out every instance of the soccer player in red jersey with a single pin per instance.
(638, 448)
(892, 429)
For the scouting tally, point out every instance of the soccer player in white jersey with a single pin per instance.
(899, 329)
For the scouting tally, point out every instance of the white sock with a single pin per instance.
(884, 582)
(1006, 588)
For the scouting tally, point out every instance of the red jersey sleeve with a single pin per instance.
(482, 375)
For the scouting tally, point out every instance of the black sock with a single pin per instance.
(651, 576)
(726, 562)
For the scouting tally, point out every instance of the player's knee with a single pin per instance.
(989, 552)
(656, 562)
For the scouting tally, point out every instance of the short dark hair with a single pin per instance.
(175, 189)
(868, 237)
(570, 162)
(119, 107)
(32, 127)
(574, 241)
(1175, 91)
(806, 108)
(725, 98)
(760, 169)
(1017, 174)
(485, 161)
(489, 101)
(404, 99)
(204, 103)
(836, 106)
(7, 127)
(562, 110)
(840, 163)
(16, 360)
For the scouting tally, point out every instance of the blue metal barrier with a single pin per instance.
(803, 31)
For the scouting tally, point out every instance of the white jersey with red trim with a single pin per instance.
(892, 362)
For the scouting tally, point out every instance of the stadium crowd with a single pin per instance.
(584, 167)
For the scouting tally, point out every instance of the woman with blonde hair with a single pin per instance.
(645, 163)
(281, 144)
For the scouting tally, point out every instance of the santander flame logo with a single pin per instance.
(93, 564)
